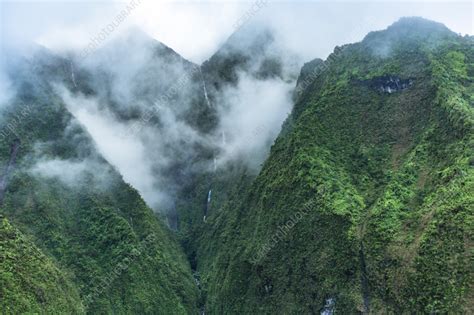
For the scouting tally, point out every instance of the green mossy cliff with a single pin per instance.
(364, 205)
(82, 241)
(367, 196)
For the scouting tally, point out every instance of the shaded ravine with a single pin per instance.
(197, 280)
(364, 280)
(9, 168)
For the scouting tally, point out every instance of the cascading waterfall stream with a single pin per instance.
(328, 308)
(224, 141)
(197, 280)
(205, 89)
(73, 77)
(209, 195)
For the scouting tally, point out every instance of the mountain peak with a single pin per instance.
(248, 40)
(418, 24)
(415, 30)
(412, 28)
(134, 37)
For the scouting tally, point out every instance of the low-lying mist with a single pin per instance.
(146, 111)
(251, 115)
(160, 119)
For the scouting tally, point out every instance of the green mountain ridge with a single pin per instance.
(388, 175)
(78, 211)
(363, 206)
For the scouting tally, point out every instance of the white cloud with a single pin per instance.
(252, 117)
(120, 147)
(66, 171)
(5, 88)
(250, 114)
(195, 29)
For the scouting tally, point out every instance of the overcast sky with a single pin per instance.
(195, 29)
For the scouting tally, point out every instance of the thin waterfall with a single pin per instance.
(329, 307)
(204, 88)
(197, 280)
(209, 195)
(73, 78)
(224, 141)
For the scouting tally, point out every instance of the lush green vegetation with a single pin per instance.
(390, 182)
(29, 281)
(367, 196)
(98, 248)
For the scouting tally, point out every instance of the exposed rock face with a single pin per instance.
(389, 83)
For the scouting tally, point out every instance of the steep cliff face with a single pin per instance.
(174, 110)
(155, 99)
(84, 220)
(61, 188)
(252, 49)
(241, 79)
(365, 203)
